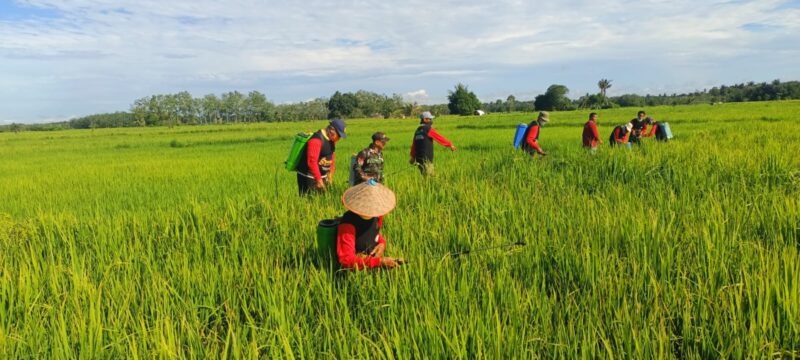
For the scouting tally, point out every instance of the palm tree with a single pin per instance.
(604, 84)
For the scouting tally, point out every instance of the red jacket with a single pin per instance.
(346, 248)
(436, 137)
(313, 158)
(620, 138)
(590, 135)
(533, 134)
(652, 130)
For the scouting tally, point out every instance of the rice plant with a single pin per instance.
(191, 242)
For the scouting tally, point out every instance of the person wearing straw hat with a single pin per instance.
(620, 134)
(531, 138)
(317, 158)
(369, 162)
(359, 243)
(422, 145)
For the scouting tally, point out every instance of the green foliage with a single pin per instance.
(364, 104)
(461, 101)
(511, 103)
(191, 242)
(751, 91)
(555, 98)
(342, 105)
(316, 109)
(112, 120)
(181, 108)
(603, 84)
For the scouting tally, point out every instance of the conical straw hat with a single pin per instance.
(369, 199)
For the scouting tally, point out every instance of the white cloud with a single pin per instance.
(144, 47)
(419, 96)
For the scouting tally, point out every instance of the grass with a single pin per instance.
(192, 243)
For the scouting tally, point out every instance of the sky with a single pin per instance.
(61, 59)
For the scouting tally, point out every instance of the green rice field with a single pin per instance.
(191, 242)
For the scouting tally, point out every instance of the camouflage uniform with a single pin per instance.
(369, 164)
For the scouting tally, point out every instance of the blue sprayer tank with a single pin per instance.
(519, 135)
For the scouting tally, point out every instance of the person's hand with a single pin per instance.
(452, 148)
(319, 185)
(329, 179)
(378, 250)
(543, 153)
(389, 263)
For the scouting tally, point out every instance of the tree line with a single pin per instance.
(236, 107)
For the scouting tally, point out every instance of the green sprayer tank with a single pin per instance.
(326, 238)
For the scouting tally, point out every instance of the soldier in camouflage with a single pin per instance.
(369, 162)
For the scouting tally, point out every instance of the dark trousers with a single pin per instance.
(305, 185)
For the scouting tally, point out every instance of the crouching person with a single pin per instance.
(359, 243)
(620, 135)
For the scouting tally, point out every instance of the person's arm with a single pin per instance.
(531, 140)
(595, 133)
(413, 149)
(440, 139)
(359, 166)
(381, 247)
(652, 130)
(312, 158)
(346, 250)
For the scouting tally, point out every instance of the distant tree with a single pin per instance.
(258, 108)
(411, 109)
(140, 111)
(211, 109)
(391, 106)
(185, 110)
(604, 84)
(233, 106)
(555, 98)
(342, 105)
(511, 103)
(462, 101)
(630, 100)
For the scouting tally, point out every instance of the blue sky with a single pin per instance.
(67, 58)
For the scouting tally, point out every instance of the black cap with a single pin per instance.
(379, 136)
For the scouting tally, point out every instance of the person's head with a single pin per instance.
(649, 121)
(640, 114)
(629, 126)
(379, 140)
(426, 117)
(543, 118)
(369, 199)
(593, 116)
(336, 130)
